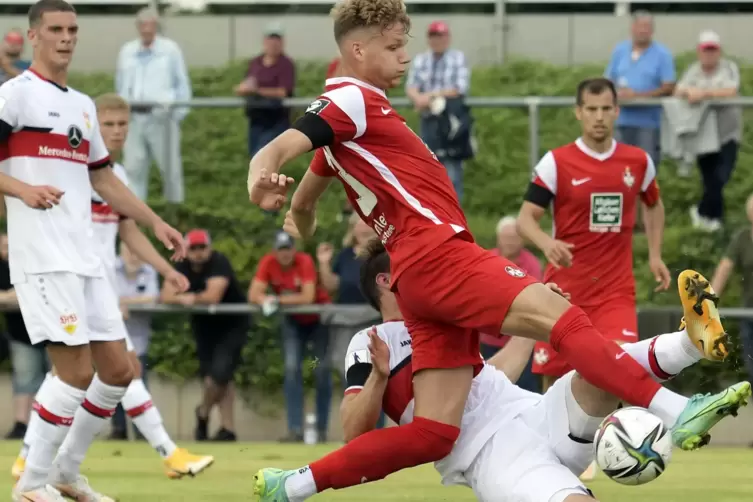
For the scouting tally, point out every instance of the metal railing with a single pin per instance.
(532, 103)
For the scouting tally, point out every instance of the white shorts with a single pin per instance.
(67, 308)
(533, 458)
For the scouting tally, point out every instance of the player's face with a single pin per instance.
(55, 38)
(597, 115)
(385, 57)
(114, 127)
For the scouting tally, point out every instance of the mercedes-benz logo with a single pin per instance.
(75, 136)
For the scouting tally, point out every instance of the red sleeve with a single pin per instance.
(319, 164)
(650, 196)
(306, 268)
(263, 272)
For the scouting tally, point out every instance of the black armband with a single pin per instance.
(357, 374)
(316, 129)
(538, 195)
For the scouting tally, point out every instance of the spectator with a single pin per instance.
(739, 254)
(438, 72)
(291, 275)
(219, 338)
(28, 362)
(641, 68)
(712, 77)
(11, 63)
(510, 245)
(152, 69)
(270, 78)
(138, 284)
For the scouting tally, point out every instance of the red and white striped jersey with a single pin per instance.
(49, 135)
(492, 399)
(594, 198)
(392, 179)
(106, 223)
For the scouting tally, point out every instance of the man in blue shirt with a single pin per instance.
(11, 63)
(641, 68)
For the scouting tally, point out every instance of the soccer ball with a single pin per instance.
(632, 446)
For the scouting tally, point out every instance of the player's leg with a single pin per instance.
(137, 403)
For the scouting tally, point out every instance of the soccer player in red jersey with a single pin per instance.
(448, 288)
(594, 185)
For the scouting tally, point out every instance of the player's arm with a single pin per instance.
(362, 404)
(8, 297)
(653, 221)
(119, 196)
(513, 357)
(134, 238)
(313, 185)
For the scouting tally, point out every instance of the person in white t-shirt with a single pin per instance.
(112, 115)
(49, 135)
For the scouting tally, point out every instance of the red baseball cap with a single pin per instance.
(439, 28)
(197, 237)
(13, 37)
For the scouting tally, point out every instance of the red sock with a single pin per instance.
(379, 453)
(598, 360)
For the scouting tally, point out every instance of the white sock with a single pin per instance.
(582, 425)
(300, 485)
(668, 405)
(98, 406)
(666, 355)
(58, 403)
(137, 402)
(31, 428)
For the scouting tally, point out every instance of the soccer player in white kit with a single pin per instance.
(514, 445)
(49, 135)
(113, 117)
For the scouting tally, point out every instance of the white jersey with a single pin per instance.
(492, 400)
(49, 135)
(105, 223)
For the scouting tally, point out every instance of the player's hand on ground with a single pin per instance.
(178, 281)
(380, 353)
(661, 274)
(290, 227)
(40, 197)
(171, 238)
(553, 286)
(270, 190)
(324, 253)
(558, 253)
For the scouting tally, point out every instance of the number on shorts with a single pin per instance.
(366, 200)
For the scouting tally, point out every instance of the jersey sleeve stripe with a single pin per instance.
(546, 172)
(350, 100)
(353, 389)
(650, 174)
(100, 164)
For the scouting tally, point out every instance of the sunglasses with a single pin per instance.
(197, 247)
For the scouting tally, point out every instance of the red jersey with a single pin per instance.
(594, 206)
(290, 280)
(392, 179)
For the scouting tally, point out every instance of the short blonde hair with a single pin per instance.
(350, 15)
(111, 101)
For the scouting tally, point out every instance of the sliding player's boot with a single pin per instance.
(702, 322)
(691, 431)
(269, 485)
(18, 468)
(183, 463)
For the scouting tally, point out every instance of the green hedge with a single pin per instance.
(215, 165)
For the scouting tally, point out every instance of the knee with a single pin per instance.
(79, 377)
(118, 375)
(221, 377)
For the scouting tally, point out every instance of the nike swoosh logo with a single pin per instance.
(386, 111)
(628, 333)
(619, 356)
(580, 181)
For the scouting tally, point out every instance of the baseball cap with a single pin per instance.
(13, 37)
(197, 237)
(438, 28)
(283, 240)
(274, 30)
(709, 40)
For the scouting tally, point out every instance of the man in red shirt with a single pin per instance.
(292, 277)
(594, 185)
(447, 287)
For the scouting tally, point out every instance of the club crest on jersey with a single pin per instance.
(317, 106)
(515, 272)
(75, 137)
(628, 177)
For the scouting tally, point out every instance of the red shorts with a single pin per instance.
(616, 320)
(452, 294)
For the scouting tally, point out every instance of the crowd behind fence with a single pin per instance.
(532, 103)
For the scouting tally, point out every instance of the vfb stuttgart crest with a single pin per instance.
(515, 272)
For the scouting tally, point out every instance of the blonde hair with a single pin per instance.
(111, 101)
(350, 15)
